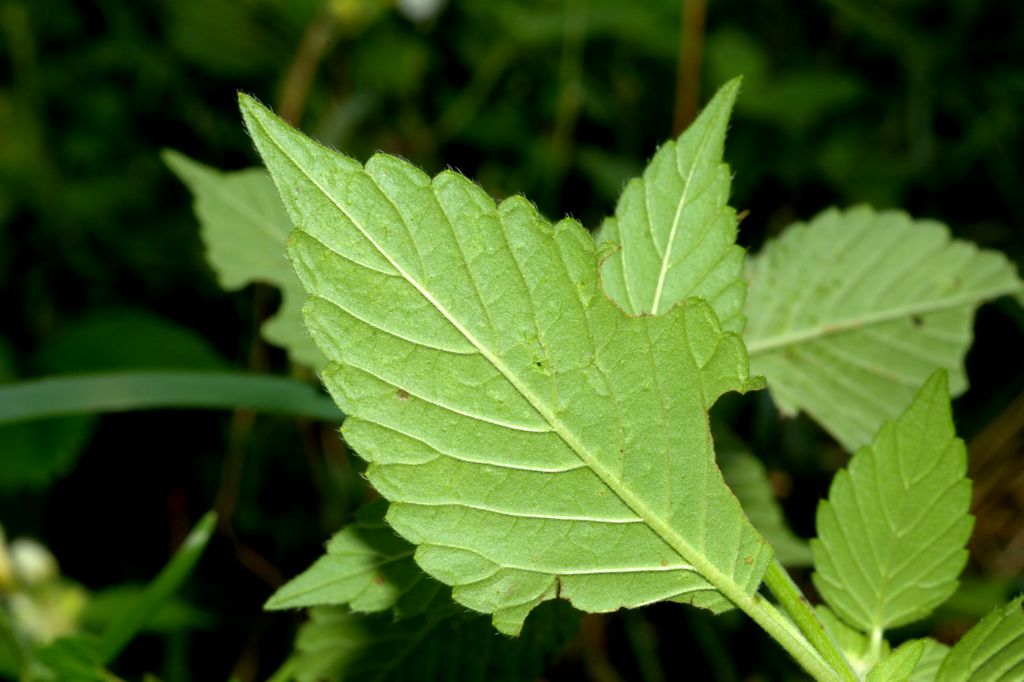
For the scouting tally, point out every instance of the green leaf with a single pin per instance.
(746, 477)
(928, 667)
(444, 645)
(534, 440)
(109, 604)
(119, 633)
(124, 391)
(849, 314)
(244, 228)
(892, 534)
(75, 659)
(125, 338)
(35, 454)
(900, 664)
(676, 235)
(367, 567)
(991, 651)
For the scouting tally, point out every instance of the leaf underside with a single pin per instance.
(892, 535)
(366, 567)
(991, 651)
(849, 314)
(534, 441)
(244, 228)
(370, 570)
(447, 644)
(676, 234)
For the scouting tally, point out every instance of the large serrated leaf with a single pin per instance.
(446, 644)
(366, 567)
(847, 315)
(991, 651)
(676, 235)
(534, 440)
(892, 534)
(244, 228)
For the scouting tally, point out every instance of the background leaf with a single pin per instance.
(75, 659)
(446, 644)
(35, 454)
(892, 534)
(539, 446)
(746, 477)
(370, 569)
(366, 567)
(991, 651)
(122, 391)
(121, 631)
(848, 314)
(676, 235)
(244, 228)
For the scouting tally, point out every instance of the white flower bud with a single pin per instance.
(32, 563)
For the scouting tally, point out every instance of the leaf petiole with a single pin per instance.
(793, 602)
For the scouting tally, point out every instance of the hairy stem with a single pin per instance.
(793, 602)
(782, 630)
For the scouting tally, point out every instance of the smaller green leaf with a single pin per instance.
(676, 235)
(367, 567)
(928, 667)
(119, 633)
(892, 534)
(900, 664)
(746, 476)
(445, 644)
(991, 651)
(245, 228)
(75, 659)
(108, 605)
(849, 313)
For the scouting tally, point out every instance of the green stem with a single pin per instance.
(782, 630)
(792, 600)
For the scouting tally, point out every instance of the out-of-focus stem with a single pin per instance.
(691, 53)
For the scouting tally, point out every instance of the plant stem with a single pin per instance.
(299, 79)
(691, 52)
(782, 630)
(793, 602)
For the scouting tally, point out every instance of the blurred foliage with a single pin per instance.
(915, 104)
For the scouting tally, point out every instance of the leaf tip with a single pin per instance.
(938, 382)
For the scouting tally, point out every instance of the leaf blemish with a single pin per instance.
(402, 394)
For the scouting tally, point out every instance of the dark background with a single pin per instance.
(912, 103)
